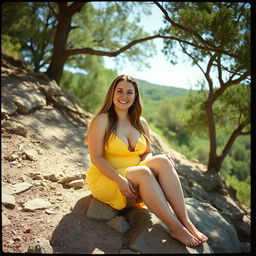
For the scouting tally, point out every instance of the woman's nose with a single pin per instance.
(125, 96)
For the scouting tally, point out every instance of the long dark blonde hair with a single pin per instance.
(134, 111)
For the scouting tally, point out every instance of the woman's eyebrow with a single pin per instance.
(129, 90)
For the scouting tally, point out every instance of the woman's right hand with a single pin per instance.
(126, 187)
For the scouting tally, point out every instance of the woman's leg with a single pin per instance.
(171, 186)
(151, 193)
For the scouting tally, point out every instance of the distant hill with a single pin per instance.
(153, 95)
(155, 92)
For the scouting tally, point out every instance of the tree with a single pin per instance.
(31, 25)
(57, 34)
(216, 38)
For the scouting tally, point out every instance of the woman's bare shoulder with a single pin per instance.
(144, 123)
(101, 118)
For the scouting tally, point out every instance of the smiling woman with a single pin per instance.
(124, 173)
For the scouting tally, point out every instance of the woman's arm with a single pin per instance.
(147, 154)
(96, 135)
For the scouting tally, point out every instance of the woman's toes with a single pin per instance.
(205, 238)
(195, 242)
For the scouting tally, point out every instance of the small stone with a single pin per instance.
(119, 224)
(30, 154)
(36, 204)
(17, 188)
(5, 221)
(17, 238)
(8, 201)
(49, 212)
(97, 251)
(76, 183)
(40, 245)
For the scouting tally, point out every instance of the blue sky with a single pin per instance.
(181, 75)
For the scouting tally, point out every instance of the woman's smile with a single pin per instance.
(123, 101)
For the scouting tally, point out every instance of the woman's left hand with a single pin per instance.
(171, 160)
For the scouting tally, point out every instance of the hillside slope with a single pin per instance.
(44, 194)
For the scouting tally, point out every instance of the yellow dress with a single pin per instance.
(116, 152)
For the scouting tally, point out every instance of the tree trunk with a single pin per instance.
(211, 134)
(56, 66)
(59, 57)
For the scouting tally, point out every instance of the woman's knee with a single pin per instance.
(163, 159)
(161, 163)
(139, 172)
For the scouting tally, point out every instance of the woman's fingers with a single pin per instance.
(131, 186)
(133, 191)
(128, 189)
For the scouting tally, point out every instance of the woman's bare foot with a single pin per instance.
(195, 232)
(183, 235)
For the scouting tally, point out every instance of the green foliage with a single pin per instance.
(91, 87)
(233, 108)
(194, 119)
(224, 25)
(243, 188)
(30, 25)
(10, 48)
(108, 27)
(239, 159)
(15, 20)
(151, 96)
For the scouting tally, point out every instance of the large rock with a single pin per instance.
(15, 127)
(149, 235)
(226, 206)
(7, 106)
(24, 94)
(100, 211)
(222, 235)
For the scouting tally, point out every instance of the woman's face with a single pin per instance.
(124, 95)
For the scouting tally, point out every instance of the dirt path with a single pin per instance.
(58, 153)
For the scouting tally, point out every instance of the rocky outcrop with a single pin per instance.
(148, 234)
(34, 106)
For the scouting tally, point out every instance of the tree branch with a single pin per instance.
(76, 7)
(52, 9)
(206, 44)
(245, 133)
(219, 70)
(221, 90)
(196, 62)
(92, 51)
(238, 131)
(106, 53)
(207, 73)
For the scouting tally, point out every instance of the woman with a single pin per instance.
(124, 172)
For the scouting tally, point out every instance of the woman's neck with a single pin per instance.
(122, 115)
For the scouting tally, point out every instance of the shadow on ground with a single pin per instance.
(78, 234)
